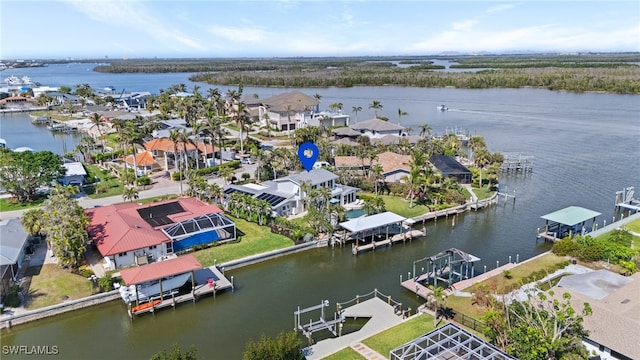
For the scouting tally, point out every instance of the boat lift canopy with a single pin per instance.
(372, 222)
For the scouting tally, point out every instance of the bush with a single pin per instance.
(85, 271)
(143, 181)
(12, 299)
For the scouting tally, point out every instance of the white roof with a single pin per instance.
(255, 186)
(74, 168)
(372, 221)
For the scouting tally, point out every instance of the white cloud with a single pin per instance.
(464, 25)
(137, 17)
(500, 8)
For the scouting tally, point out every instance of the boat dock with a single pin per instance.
(207, 281)
(517, 163)
(59, 126)
(409, 235)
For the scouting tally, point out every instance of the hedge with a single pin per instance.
(235, 164)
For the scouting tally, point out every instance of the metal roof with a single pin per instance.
(315, 176)
(571, 215)
(159, 270)
(372, 221)
(13, 238)
(448, 342)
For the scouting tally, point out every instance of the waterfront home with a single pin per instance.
(75, 174)
(13, 250)
(287, 111)
(376, 128)
(395, 167)
(451, 168)
(285, 195)
(329, 119)
(134, 101)
(165, 151)
(134, 234)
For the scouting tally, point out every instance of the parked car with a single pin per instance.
(247, 161)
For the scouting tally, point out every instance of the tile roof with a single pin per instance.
(390, 161)
(159, 270)
(119, 228)
(142, 158)
(165, 144)
(295, 99)
(350, 162)
(346, 131)
(377, 125)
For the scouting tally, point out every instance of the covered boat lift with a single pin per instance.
(567, 222)
(387, 226)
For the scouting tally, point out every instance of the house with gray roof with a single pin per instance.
(286, 196)
(287, 111)
(376, 128)
(12, 252)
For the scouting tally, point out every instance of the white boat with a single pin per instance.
(152, 289)
(13, 80)
(26, 80)
(3, 143)
(443, 108)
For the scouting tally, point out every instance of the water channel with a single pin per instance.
(585, 148)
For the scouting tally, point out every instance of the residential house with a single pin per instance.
(287, 111)
(329, 119)
(133, 234)
(75, 174)
(376, 128)
(143, 164)
(395, 167)
(164, 151)
(285, 195)
(13, 250)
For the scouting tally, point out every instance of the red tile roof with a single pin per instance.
(165, 144)
(119, 228)
(158, 270)
(142, 159)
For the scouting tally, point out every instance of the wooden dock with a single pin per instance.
(547, 236)
(409, 235)
(208, 281)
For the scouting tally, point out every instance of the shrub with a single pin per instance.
(507, 274)
(12, 299)
(143, 181)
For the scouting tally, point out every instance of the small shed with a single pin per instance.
(570, 221)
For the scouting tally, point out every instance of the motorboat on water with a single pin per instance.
(443, 108)
(147, 291)
(16, 81)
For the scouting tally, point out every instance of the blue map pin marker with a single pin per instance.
(308, 154)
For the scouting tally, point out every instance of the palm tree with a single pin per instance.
(215, 192)
(226, 173)
(131, 137)
(425, 130)
(241, 117)
(356, 110)
(317, 97)
(401, 113)
(130, 193)
(375, 105)
(96, 121)
(377, 175)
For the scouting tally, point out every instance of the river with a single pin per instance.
(585, 148)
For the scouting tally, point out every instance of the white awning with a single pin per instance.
(372, 221)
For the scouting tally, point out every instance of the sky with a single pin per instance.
(175, 29)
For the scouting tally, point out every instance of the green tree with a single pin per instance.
(175, 353)
(64, 222)
(356, 110)
(375, 105)
(23, 172)
(32, 222)
(286, 346)
(543, 327)
(130, 193)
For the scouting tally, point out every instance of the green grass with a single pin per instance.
(345, 354)
(483, 192)
(633, 226)
(400, 206)
(115, 186)
(9, 204)
(393, 337)
(257, 239)
(518, 273)
(463, 305)
(52, 285)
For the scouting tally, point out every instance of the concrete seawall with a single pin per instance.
(9, 320)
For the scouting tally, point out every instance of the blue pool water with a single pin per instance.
(354, 213)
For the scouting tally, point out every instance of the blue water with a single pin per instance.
(354, 213)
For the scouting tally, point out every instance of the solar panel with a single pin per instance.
(157, 215)
(271, 198)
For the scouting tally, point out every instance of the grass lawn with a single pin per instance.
(633, 226)
(393, 337)
(483, 192)
(400, 206)
(52, 285)
(521, 271)
(115, 186)
(462, 305)
(7, 204)
(256, 239)
(345, 354)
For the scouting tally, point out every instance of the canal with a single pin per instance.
(585, 149)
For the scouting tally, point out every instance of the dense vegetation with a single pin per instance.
(591, 72)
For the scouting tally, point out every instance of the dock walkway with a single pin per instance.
(409, 235)
(382, 317)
